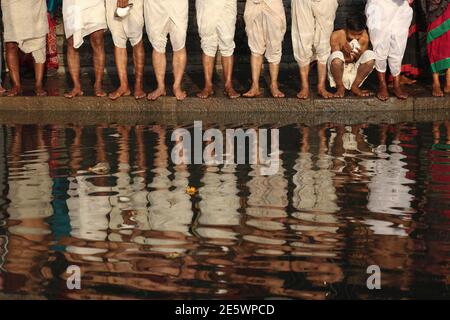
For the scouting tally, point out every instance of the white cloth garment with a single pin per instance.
(216, 21)
(350, 69)
(81, 18)
(130, 27)
(265, 23)
(166, 17)
(25, 22)
(388, 22)
(312, 26)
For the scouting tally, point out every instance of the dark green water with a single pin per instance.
(345, 198)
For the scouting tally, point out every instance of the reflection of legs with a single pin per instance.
(121, 57)
(12, 61)
(227, 65)
(363, 72)
(274, 69)
(337, 70)
(98, 48)
(139, 62)
(256, 62)
(73, 62)
(208, 70)
(179, 65)
(159, 67)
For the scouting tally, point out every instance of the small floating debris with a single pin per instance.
(124, 199)
(191, 190)
(173, 255)
(101, 168)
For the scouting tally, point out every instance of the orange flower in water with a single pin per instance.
(191, 190)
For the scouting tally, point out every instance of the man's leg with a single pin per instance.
(12, 61)
(227, 65)
(39, 69)
(159, 67)
(98, 48)
(363, 72)
(121, 57)
(274, 69)
(179, 66)
(437, 90)
(139, 63)
(304, 79)
(337, 70)
(256, 62)
(447, 81)
(321, 86)
(73, 62)
(398, 89)
(208, 70)
(383, 92)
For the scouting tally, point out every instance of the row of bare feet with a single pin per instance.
(17, 91)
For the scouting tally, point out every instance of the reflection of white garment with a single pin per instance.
(389, 186)
(30, 193)
(350, 69)
(312, 26)
(220, 203)
(216, 21)
(314, 189)
(166, 17)
(127, 28)
(87, 210)
(265, 23)
(81, 18)
(388, 22)
(25, 22)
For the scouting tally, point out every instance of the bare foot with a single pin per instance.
(437, 91)
(139, 93)
(159, 92)
(252, 93)
(99, 92)
(324, 93)
(399, 93)
(179, 93)
(360, 93)
(76, 92)
(231, 93)
(120, 92)
(2, 91)
(40, 92)
(447, 88)
(275, 91)
(14, 91)
(383, 93)
(303, 94)
(340, 92)
(207, 92)
(405, 80)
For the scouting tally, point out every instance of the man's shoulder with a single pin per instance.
(338, 34)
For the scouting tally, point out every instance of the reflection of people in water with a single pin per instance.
(219, 203)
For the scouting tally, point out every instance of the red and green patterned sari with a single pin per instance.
(438, 39)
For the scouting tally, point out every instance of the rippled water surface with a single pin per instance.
(110, 200)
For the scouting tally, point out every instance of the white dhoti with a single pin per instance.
(167, 17)
(265, 23)
(25, 23)
(350, 69)
(81, 18)
(312, 26)
(130, 27)
(388, 22)
(216, 21)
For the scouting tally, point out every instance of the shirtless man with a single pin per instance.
(350, 62)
